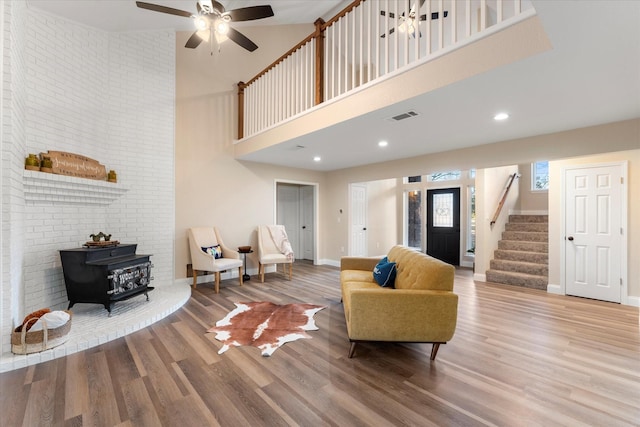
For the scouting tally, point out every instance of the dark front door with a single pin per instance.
(443, 224)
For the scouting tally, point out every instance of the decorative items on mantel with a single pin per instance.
(70, 164)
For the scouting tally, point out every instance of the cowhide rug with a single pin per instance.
(265, 325)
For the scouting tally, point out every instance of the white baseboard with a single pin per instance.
(480, 277)
(633, 301)
(554, 289)
(467, 264)
(331, 262)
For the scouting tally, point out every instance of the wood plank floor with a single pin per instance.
(519, 358)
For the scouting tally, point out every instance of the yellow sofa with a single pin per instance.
(421, 308)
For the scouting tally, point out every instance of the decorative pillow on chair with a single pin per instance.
(385, 273)
(215, 251)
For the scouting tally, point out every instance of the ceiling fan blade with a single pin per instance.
(194, 41)
(250, 13)
(241, 40)
(163, 9)
(434, 15)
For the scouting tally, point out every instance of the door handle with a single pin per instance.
(304, 226)
(570, 238)
(364, 228)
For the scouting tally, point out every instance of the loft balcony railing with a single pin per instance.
(367, 41)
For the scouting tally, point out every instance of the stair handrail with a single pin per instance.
(503, 198)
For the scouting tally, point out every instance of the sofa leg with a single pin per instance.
(262, 273)
(217, 282)
(195, 278)
(240, 275)
(352, 349)
(434, 350)
(290, 269)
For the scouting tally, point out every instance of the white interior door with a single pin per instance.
(307, 221)
(358, 246)
(288, 214)
(594, 235)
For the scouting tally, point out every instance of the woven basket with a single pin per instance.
(23, 342)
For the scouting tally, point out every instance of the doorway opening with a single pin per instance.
(296, 208)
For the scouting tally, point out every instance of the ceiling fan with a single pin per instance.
(213, 21)
(409, 23)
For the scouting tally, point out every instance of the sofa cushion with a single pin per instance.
(357, 276)
(417, 270)
(384, 273)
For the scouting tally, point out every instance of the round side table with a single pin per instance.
(244, 252)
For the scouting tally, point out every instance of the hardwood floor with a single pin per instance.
(519, 357)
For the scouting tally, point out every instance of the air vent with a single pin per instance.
(403, 116)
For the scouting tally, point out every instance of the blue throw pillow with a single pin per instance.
(384, 273)
(215, 251)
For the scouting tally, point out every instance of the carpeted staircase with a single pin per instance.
(521, 258)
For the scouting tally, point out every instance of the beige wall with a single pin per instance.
(530, 201)
(490, 186)
(212, 188)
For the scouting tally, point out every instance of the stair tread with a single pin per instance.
(512, 261)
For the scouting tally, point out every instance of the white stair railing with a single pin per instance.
(368, 40)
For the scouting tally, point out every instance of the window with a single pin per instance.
(414, 219)
(540, 176)
(471, 225)
(444, 176)
(410, 179)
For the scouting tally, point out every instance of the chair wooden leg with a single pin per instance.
(434, 350)
(290, 270)
(240, 275)
(262, 273)
(195, 278)
(217, 282)
(352, 349)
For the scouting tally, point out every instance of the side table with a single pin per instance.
(244, 252)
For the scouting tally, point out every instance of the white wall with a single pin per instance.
(14, 15)
(106, 96)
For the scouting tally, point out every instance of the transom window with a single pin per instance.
(444, 176)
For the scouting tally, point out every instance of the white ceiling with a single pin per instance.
(123, 15)
(590, 77)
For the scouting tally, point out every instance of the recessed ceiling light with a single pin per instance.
(383, 144)
(501, 116)
(317, 158)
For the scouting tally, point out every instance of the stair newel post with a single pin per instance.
(241, 87)
(319, 71)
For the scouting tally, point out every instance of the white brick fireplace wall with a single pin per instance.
(108, 96)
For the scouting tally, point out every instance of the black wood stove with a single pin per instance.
(105, 275)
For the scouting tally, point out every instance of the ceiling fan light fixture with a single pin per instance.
(222, 27)
(201, 22)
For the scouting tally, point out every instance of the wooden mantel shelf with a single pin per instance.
(41, 187)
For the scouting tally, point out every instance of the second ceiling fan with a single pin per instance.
(213, 21)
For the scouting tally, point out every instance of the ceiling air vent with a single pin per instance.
(403, 116)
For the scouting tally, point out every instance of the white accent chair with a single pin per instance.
(269, 253)
(204, 237)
